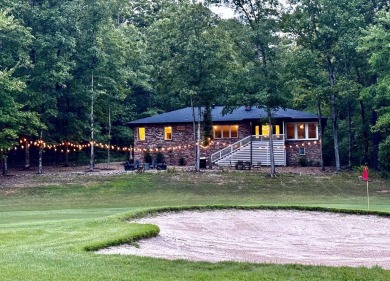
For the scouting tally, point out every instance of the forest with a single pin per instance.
(73, 73)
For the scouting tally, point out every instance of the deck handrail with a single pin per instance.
(239, 144)
(230, 149)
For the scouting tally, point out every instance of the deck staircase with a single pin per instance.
(259, 145)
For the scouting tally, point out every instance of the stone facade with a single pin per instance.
(183, 145)
(310, 148)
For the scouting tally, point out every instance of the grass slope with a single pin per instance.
(46, 230)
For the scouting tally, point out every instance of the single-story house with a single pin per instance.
(242, 135)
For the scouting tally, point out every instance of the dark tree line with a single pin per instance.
(79, 70)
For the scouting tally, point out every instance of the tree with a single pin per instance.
(328, 29)
(375, 42)
(15, 41)
(263, 80)
(194, 59)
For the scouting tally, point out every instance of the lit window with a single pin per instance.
(301, 131)
(277, 129)
(225, 132)
(234, 131)
(265, 130)
(167, 133)
(257, 131)
(141, 134)
(217, 132)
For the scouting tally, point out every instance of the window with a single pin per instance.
(312, 130)
(265, 130)
(257, 131)
(217, 132)
(234, 131)
(225, 131)
(300, 131)
(167, 133)
(291, 131)
(301, 151)
(141, 134)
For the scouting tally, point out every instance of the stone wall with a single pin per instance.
(312, 152)
(182, 145)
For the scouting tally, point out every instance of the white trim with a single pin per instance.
(230, 132)
(296, 131)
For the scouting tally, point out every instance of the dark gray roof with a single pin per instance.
(184, 115)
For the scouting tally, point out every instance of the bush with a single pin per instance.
(182, 161)
(303, 162)
(148, 157)
(160, 157)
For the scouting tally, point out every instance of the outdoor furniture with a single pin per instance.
(243, 165)
(129, 166)
(256, 165)
(161, 166)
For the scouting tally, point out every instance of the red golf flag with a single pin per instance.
(365, 174)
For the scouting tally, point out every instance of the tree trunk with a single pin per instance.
(26, 155)
(332, 79)
(349, 136)
(321, 133)
(40, 153)
(365, 132)
(271, 144)
(91, 159)
(5, 163)
(375, 141)
(194, 131)
(66, 154)
(109, 136)
(197, 168)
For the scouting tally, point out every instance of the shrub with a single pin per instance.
(160, 157)
(147, 157)
(303, 161)
(182, 161)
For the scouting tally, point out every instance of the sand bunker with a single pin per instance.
(266, 236)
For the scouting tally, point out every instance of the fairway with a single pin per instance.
(52, 224)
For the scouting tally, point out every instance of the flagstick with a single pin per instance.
(368, 198)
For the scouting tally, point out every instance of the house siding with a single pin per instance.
(182, 144)
(312, 152)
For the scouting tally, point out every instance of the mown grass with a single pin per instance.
(47, 231)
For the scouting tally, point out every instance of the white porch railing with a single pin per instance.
(240, 144)
(230, 149)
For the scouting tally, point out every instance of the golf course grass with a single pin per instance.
(48, 231)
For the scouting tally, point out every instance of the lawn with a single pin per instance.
(46, 229)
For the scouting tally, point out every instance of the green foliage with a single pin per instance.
(148, 157)
(302, 161)
(160, 157)
(384, 154)
(182, 161)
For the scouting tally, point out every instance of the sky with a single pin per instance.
(223, 12)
